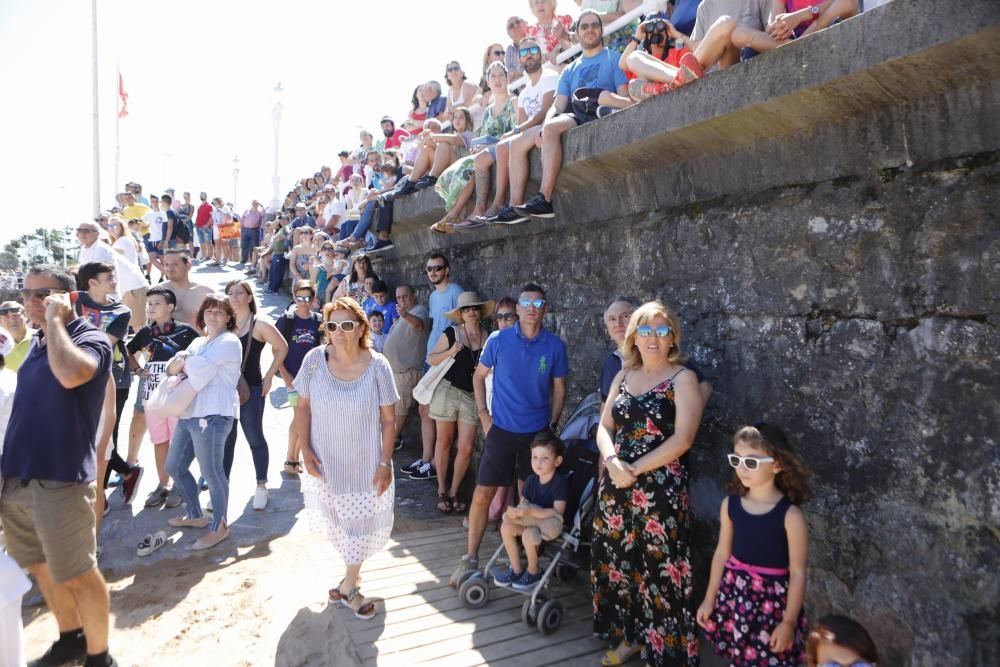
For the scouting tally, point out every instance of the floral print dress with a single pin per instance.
(641, 551)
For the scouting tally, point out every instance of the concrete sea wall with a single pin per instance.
(825, 220)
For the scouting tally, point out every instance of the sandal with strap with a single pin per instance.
(334, 594)
(293, 467)
(444, 504)
(362, 607)
(443, 228)
(457, 506)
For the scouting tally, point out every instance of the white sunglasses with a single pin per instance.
(748, 462)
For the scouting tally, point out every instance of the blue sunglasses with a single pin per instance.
(645, 331)
(528, 303)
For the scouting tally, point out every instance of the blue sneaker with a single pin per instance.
(526, 582)
(505, 577)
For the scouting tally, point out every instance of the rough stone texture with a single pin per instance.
(825, 220)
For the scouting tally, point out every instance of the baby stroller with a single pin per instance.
(566, 555)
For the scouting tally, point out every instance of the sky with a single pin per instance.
(200, 79)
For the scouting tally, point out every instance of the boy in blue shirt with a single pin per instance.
(538, 517)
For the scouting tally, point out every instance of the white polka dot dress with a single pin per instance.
(346, 434)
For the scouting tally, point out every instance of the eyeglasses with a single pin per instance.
(434, 268)
(40, 293)
(506, 317)
(590, 25)
(645, 331)
(515, 22)
(529, 303)
(303, 299)
(346, 326)
(465, 309)
(529, 51)
(454, 68)
(11, 311)
(748, 462)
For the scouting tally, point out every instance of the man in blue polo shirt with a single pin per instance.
(529, 367)
(48, 467)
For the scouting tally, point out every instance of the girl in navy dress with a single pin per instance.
(752, 612)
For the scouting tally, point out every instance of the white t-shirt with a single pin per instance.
(334, 207)
(156, 219)
(127, 273)
(125, 246)
(530, 98)
(98, 252)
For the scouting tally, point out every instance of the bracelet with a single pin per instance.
(609, 457)
(385, 465)
(481, 411)
(636, 39)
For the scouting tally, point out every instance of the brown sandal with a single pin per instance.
(443, 228)
(362, 607)
(444, 504)
(457, 506)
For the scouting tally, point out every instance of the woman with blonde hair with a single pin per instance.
(347, 443)
(641, 553)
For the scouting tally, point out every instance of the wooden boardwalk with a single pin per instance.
(425, 621)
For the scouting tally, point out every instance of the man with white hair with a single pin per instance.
(128, 276)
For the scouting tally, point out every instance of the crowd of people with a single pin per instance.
(359, 357)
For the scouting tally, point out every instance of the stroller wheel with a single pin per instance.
(550, 617)
(475, 592)
(528, 613)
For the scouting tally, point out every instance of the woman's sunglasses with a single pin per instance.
(529, 51)
(645, 331)
(497, 52)
(347, 326)
(465, 309)
(749, 462)
(303, 299)
(506, 317)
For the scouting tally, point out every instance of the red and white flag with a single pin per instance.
(123, 97)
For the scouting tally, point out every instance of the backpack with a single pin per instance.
(285, 322)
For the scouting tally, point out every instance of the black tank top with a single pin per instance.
(460, 374)
(251, 371)
(760, 539)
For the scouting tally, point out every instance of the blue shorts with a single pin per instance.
(151, 247)
(505, 454)
(204, 234)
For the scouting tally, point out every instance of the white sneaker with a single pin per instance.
(260, 498)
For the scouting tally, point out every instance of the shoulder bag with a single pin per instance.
(423, 392)
(171, 397)
(242, 388)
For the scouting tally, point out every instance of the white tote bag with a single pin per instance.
(423, 392)
(171, 397)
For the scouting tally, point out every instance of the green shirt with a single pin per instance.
(20, 351)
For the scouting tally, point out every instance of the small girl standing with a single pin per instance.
(752, 612)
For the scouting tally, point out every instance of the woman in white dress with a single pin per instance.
(347, 445)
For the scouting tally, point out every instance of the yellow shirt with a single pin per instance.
(20, 351)
(138, 211)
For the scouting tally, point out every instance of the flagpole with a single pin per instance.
(118, 119)
(96, 114)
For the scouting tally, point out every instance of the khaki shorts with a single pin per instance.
(450, 404)
(406, 380)
(537, 530)
(50, 522)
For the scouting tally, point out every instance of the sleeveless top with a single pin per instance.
(303, 264)
(251, 372)
(460, 373)
(760, 539)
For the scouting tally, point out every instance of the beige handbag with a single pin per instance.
(423, 392)
(171, 397)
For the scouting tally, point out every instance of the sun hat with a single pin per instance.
(470, 299)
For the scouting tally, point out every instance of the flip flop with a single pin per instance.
(151, 543)
(469, 223)
(443, 228)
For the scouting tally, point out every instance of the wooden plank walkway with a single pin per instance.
(425, 621)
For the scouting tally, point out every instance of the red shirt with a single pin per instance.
(204, 215)
(396, 140)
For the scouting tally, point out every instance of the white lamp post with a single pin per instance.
(276, 119)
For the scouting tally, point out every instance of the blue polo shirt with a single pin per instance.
(523, 370)
(52, 429)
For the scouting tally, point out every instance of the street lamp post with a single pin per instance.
(276, 119)
(236, 178)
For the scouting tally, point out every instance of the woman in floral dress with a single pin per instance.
(641, 553)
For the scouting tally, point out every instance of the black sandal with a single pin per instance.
(444, 504)
(457, 506)
(293, 467)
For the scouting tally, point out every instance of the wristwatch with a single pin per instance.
(814, 10)
(636, 39)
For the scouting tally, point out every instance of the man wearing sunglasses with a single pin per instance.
(596, 69)
(12, 319)
(49, 466)
(533, 105)
(529, 367)
(443, 299)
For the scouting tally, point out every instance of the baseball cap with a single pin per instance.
(387, 118)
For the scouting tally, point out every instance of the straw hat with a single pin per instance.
(470, 299)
